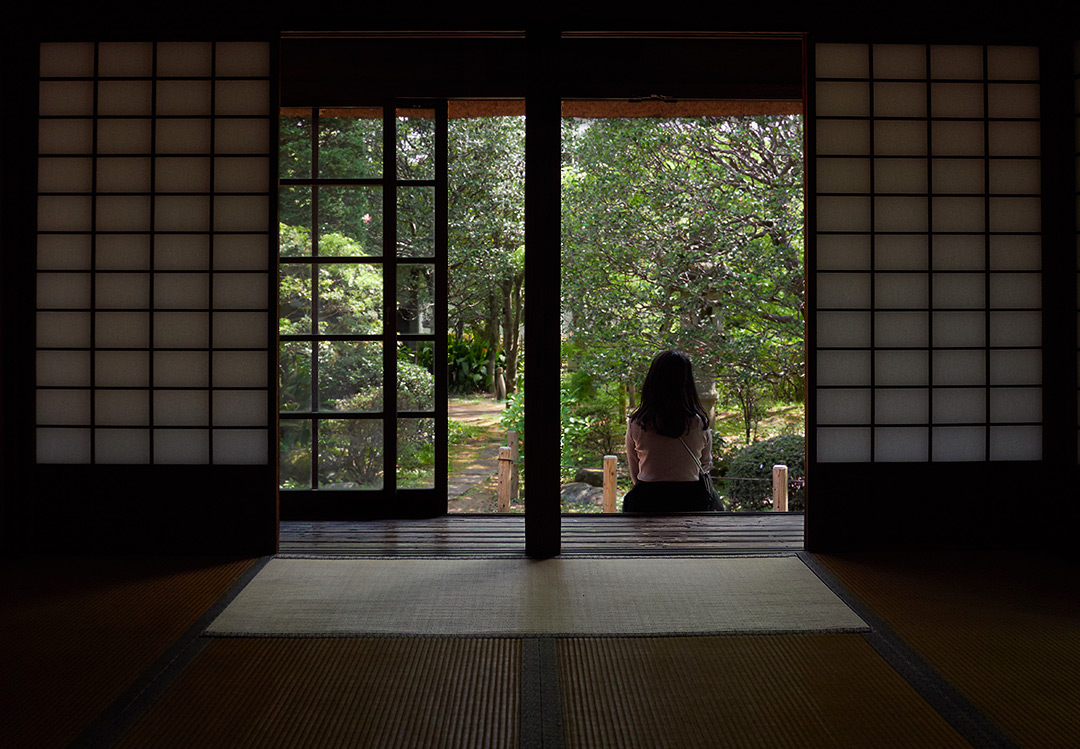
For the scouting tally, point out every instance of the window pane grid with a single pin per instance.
(151, 250)
(921, 175)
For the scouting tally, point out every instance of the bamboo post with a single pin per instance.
(610, 462)
(505, 468)
(779, 488)
(512, 442)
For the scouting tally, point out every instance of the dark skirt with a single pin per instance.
(667, 496)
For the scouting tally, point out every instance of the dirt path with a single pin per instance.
(474, 465)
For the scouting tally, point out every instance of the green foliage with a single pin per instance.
(467, 360)
(592, 421)
(756, 462)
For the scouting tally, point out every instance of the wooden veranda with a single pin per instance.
(490, 535)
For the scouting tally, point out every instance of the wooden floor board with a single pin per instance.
(582, 535)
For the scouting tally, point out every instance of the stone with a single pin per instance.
(576, 492)
(590, 476)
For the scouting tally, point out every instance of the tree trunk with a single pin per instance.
(491, 338)
(511, 328)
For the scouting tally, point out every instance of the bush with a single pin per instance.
(756, 462)
(467, 359)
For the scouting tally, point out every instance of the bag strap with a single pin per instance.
(696, 459)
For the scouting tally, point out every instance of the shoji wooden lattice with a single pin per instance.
(928, 253)
(153, 246)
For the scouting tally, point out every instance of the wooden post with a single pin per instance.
(610, 462)
(512, 443)
(506, 466)
(779, 488)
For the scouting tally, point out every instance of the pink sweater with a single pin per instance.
(654, 457)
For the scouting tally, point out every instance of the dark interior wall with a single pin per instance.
(851, 505)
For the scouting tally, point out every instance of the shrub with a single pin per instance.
(756, 462)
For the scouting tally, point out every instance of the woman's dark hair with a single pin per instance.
(669, 398)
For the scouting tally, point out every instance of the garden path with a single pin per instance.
(474, 465)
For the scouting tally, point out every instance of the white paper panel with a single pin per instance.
(63, 329)
(65, 136)
(122, 98)
(240, 291)
(242, 136)
(123, 213)
(957, 100)
(63, 445)
(181, 368)
(182, 174)
(242, 98)
(240, 369)
(123, 136)
(63, 251)
(68, 407)
(248, 252)
(843, 252)
(843, 137)
(64, 175)
(843, 98)
(123, 174)
(1014, 100)
(181, 329)
(184, 59)
(181, 446)
(122, 446)
(959, 443)
(959, 328)
(1015, 404)
(63, 368)
(122, 407)
(843, 329)
(66, 98)
(243, 59)
(843, 290)
(1015, 328)
(125, 59)
(899, 99)
(958, 138)
(900, 252)
(958, 214)
(1015, 290)
(899, 61)
(239, 408)
(1020, 367)
(1012, 63)
(246, 174)
(843, 406)
(959, 405)
(900, 175)
(240, 330)
(240, 446)
(1015, 443)
(844, 368)
(843, 445)
(959, 290)
(183, 136)
(184, 98)
(901, 368)
(121, 368)
(67, 59)
(1015, 139)
(901, 329)
(241, 213)
(900, 138)
(900, 214)
(182, 213)
(122, 290)
(1015, 214)
(959, 175)
(956, 61)
(901, 444)
(959, 252)
(181, 407)
(182, 252)
(901, 406)
(843, 175)
(1015, 176)
(842, 60)
(892, 290)
(960, 367)
(64, 213)
(181, 290)
(63, 290)
(843, 214)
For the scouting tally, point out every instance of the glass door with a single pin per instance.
(362, 311)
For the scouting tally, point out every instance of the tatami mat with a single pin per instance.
(1003, 629)
(520, 597)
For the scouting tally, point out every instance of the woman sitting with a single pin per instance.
(668, 442)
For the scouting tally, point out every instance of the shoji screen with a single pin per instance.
(153, 246)
(928, 253)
